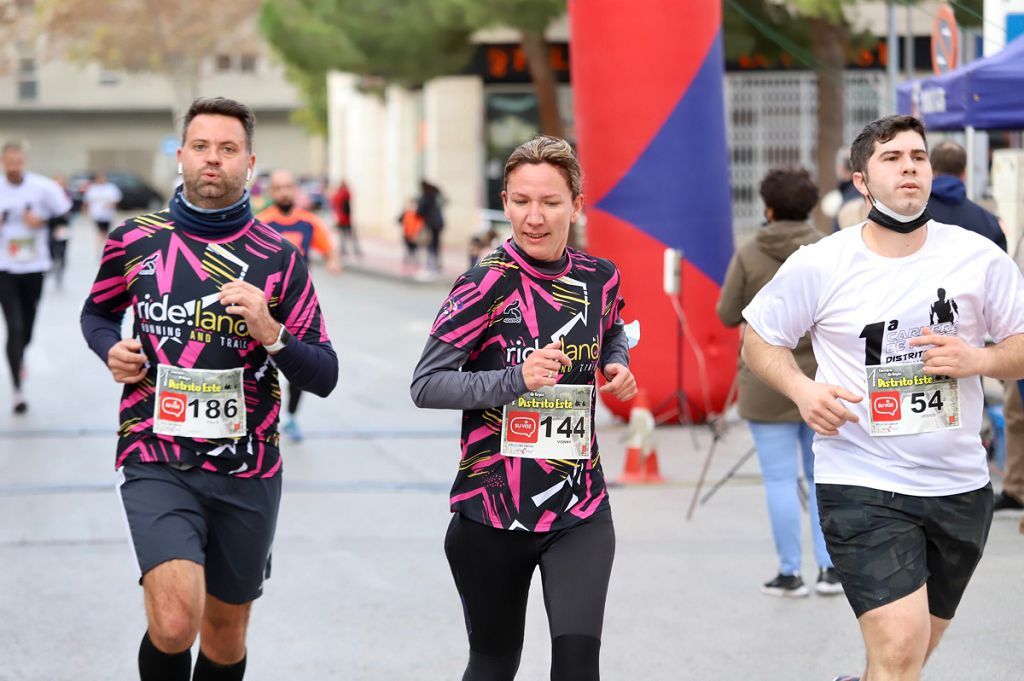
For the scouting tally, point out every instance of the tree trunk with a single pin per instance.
(828, 43)
(538, 60)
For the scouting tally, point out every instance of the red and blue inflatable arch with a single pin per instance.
(650, 117)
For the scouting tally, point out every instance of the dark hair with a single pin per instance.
(948, 158)
(789, 192)
(882, 130)
(222, 106)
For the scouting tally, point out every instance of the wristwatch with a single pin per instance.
(283, 337)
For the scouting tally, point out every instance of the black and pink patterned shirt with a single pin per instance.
(499, 312)
(171, 279)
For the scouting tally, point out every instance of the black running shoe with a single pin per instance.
(787, 586)
(1004, 502)
(828, 583)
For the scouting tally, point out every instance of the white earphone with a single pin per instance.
(179, 169)
(248, 174)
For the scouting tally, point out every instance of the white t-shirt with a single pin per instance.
(102, 200)
(861, 308)
(25, 249)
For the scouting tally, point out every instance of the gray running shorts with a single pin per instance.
(887, 545)
(221, 522)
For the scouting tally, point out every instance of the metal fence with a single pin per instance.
(771, 120)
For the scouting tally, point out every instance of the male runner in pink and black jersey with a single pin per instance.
(306, 232)
(221, 303)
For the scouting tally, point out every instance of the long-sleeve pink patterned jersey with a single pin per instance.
(171, 280)
(500, 311)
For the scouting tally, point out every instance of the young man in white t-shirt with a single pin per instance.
(101, 199)
(27, 202)
(902, 479)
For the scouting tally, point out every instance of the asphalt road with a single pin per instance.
(360, 587)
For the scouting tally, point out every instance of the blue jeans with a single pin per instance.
(777, 451)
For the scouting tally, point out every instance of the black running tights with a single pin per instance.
(19, 298)
(492, 570)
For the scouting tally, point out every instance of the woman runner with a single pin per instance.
(517, 346)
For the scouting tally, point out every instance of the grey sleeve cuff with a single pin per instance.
(439, 383)
(615, 346)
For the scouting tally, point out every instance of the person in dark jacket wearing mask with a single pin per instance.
(949, 202)
(781, 437)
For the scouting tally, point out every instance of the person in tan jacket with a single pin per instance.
(780, 436)
(1011, 498)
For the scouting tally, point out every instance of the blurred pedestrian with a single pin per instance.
(481, 244)
(429, 208)
(845, 193)
(949, 203)
(60, 232)
(412, 235)
(341, 204)
(27, 202)
(525, 496)
(780, 435)
(101, 199)
(307, 233)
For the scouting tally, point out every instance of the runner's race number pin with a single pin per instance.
(199, 403)
(552, 422)
(903, 400)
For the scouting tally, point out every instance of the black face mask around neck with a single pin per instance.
(881, 219)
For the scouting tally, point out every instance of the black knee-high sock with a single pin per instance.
(156, 665)
(208, 670)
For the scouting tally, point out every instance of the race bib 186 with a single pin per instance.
(903, 400)
(549, 423)
(200, 403)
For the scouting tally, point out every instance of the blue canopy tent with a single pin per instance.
(987, 94)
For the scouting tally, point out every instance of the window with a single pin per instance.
(223, 62)
(248, 63)
(27, 85)
(27, 89)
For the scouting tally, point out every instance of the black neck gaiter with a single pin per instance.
(210, 224)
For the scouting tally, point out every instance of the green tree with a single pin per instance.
(816, 34)
(172, 39)
(531, 18)
(813, 33)
(400, 41)
(405, 41)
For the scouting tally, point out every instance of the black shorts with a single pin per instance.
(221, 522)
(103, 226)
(887, 545)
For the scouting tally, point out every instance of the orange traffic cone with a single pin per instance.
(633, 471)
(652, 473)
(641, 425)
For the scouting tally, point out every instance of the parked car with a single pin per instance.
(135, 192)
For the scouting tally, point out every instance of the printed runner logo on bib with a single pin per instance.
(549, 423)
(199, 403)
(903, 400)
